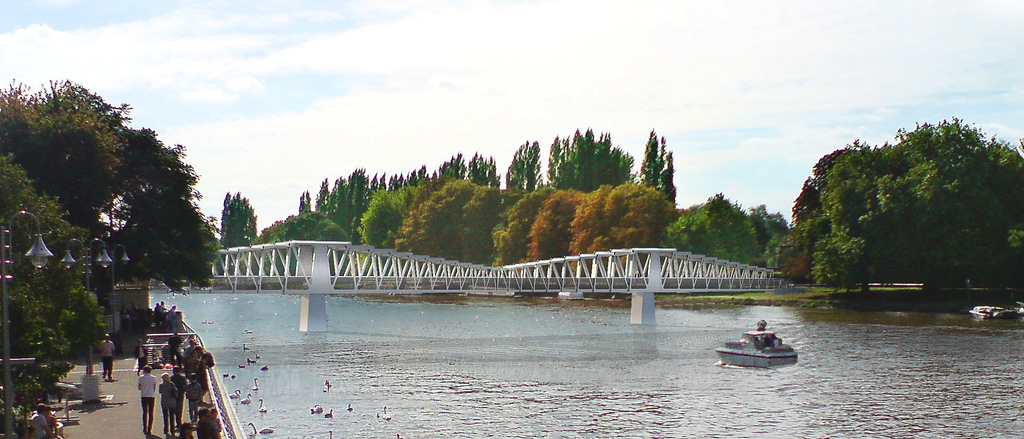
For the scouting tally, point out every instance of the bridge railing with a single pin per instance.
(290, 267)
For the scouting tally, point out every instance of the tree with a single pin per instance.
(718, 228)
(770, 230)
(524, 172)
(433, 225)
(480, 216)
(940, 205)
(657, 170)
(307, 226)
(483, 172)
(512, 237)
(587, 164)
(551, 233)
(237, 222)
(455, 168)
(51, 314)
(120, 184)
(625, 216)
(380, 224)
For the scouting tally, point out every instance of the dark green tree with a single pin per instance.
(121, 184)
(657, 170)
(307, 226)
(483, 172)
(941, 205)
(455, 168)
(588, 163)
(524, 172)
(305, 203)
(718, 228)
(237, 222)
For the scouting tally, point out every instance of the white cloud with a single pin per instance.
(295, 96)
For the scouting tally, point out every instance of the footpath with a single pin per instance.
(119, 412)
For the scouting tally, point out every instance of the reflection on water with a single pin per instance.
(461, 367)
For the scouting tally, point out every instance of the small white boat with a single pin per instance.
(570, 295)
(994, 312)
(758, 348)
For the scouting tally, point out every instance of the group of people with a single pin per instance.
(173, 390)
(160, 318)
(42, 425)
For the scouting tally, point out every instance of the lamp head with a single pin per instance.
(68, 260)
(39, 254)
(104, 259)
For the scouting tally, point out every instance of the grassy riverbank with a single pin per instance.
(889, 299)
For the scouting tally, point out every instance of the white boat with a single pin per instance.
(570, 295)
(994, 312)
(758, 348)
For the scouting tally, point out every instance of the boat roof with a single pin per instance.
(759, 333)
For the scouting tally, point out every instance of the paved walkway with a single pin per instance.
(119, 412)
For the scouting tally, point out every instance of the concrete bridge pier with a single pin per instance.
(314, 261)
(313, 317)
(642, 310)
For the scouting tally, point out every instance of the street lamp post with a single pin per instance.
(39, 255)
(90, 383)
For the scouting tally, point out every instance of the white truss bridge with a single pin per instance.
(316, 268)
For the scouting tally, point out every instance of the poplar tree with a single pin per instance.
(524, 171)
(237, 222)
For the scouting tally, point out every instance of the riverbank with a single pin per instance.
(890, 299)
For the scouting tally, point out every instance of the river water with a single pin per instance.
(525, 368)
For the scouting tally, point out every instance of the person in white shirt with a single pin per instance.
(41, 423)
(147, 390)
(107, 352)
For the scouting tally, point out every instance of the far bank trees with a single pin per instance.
(940, 206)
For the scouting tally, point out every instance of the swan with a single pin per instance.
(262, 408)
(327, 386)
(386, 416)
(349, 407)
(265, 368)
(316, 409)
(236, 395)
(330, 414)
(263, 431)
(250, 361)
(246, 400)
(241, 366)
(255, 385)
(244, 347)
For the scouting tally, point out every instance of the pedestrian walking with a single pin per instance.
(168, 397)
(107, 353)
(147, 391)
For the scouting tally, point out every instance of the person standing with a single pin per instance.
(174, 344)
(147, 391)
(194, 392)
(107, 353)
(140, 354)
(180, 382)
(168, 397)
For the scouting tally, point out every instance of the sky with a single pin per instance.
(270, 98)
